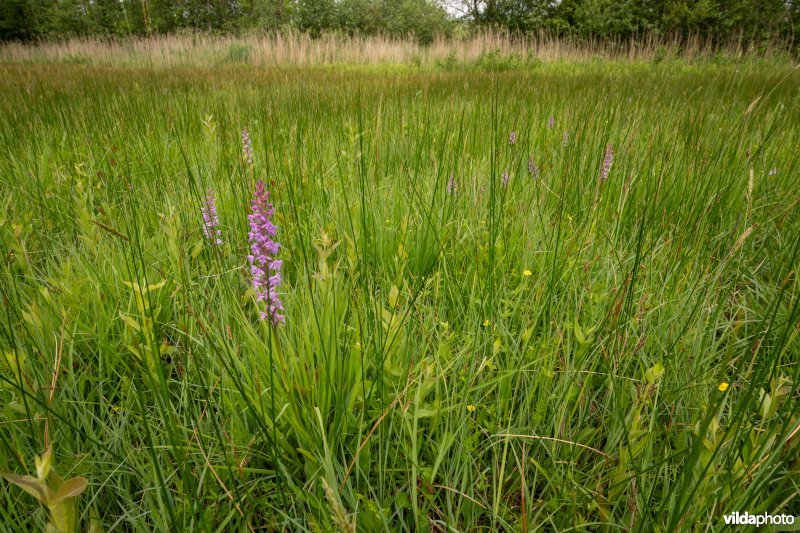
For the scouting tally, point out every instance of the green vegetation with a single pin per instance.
(523, 345)
(757, 22)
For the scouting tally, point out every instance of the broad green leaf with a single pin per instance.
(13, 361)
(131, 322)
(70, 489)
(29, 484)
(197, 250)
(394, 294)
(497, 346)
(579, 333)
(583, 337)
(654, 373)
(526, 335)
(62, 515)
(43, 464)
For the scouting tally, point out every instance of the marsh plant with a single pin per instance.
(58, 496)
(237, 298)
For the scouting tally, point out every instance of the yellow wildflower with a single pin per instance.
(723, 386)
(470, 408)
(527, 273)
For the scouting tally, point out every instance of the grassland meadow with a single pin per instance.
(464, 296)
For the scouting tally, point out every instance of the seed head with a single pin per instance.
(247, 147)
(210, 221)
(607, 161)
(533, 169)
(452, 185)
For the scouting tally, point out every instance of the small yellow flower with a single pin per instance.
(486, 323)
(470, 408)
(723, 386)
(527, 273)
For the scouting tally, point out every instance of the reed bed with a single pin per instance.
(300, 49)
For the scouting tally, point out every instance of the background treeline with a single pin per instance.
(750, 20)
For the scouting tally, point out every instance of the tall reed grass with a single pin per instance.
(295, 48)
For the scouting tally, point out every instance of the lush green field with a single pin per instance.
(524, 345)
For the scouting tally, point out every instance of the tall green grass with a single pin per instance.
(547, 354)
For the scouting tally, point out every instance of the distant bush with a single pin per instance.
(448, 63)
(661, 54)
(238, 52)
(498, 61)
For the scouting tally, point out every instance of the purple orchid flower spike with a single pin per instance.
(265, 267)
(210, 220)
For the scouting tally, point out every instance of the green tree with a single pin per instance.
(421, 18)
(755, 19)
(359, 16)
(315, 16)
(612, 18)
(17, 20)
(689, 15)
